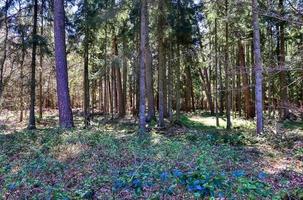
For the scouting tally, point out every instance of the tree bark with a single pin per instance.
(170, 85)
(249, 111)
(143, 33)
(124, 106)
(207, 88)
(65, 111)
(258, 67)
(21, 79)
(41, 67)
(149, 78)
(216, 81)
(86, 72)
(4, 51)
(282, 70)
(32, 118)
(178, 85)
(119, 91)
(227, 84)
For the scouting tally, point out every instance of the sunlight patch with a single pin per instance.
(69, 151)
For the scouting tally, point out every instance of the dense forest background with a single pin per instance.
(197, 55)
(230, 69)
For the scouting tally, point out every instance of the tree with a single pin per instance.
(143, 34)
(161, 69)
(32, 119)
(4, 50)
(65, 111)
(85, 73)
(282, 68)
(258, 67)
(149, 78)
(227, 72)
(41, 66)
(249, 112)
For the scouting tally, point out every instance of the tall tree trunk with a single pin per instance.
(65, 111)
(106, 78)
(227, 85)
(21, 79)
(178, 85)
(258, 67)
(222, 92)
(41, 67)
(149, 78)
(170, 85)
(86, 87)
(165, 83)
(282, 70)
(249, 112)
(207, 87)
(238, 80)
(32, 119)
(4, 51)
(86, 72)
(120, 99)
(124, 74)
(143, 33)
(216, 82)
(161, 52)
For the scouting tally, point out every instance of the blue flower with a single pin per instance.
(190, 188)
(12, 186)
(136, 183)
(199, 187)
(177, 173)
(197, 182)
(171, 189)
(164, 176)
(238, 173)
(221, 195)
(119, 184)
(262, 175)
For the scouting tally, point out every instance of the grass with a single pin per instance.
(110, 161)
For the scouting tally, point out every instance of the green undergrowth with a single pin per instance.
(111, 161)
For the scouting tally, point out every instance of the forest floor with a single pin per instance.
(189, 161)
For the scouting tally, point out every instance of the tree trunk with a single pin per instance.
(32, 119)
(120, 99)
(124, 74)
(149, 78)
(178, 85)
(21, 79)
(258, 67)
(41, 67)
(143, 33)
(221, 88)
(282, 70)
(86, 85)
(216, 82)
(227, 71)
(170, 85)
(65, 111)
(86, 72)
(106, 78)
(161, 69)
(249, 112)
(207, 88)
(241, 58)
(4, 51)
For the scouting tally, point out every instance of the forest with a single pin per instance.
(151, 99)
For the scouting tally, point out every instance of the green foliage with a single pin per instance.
(78, 164)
